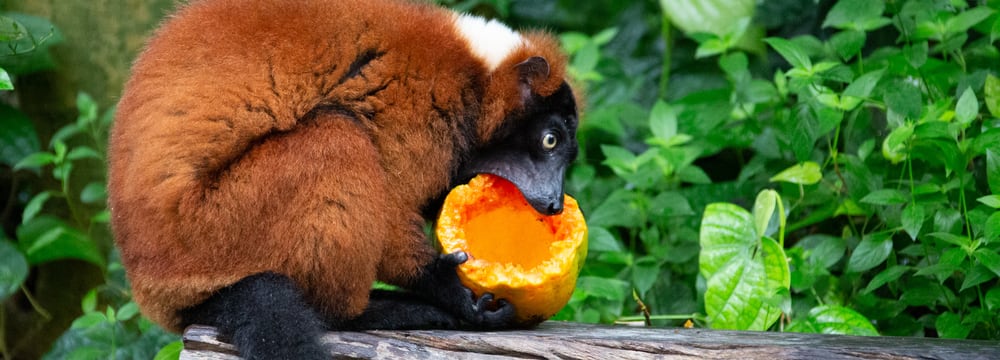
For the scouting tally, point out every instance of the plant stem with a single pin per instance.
(668, 49)
(4, 351)
(961, 201)
(34, 304)
(695, 316)
(861, 62)
(909, 169)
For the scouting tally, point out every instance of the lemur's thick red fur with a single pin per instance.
(300, 137)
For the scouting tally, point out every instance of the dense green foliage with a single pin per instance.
(827, 166)
(877, 127)
(60, 218)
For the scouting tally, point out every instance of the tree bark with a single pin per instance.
(562, 340)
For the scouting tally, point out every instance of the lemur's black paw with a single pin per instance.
(492, 314)
(450, 294)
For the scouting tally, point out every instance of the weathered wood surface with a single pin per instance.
(560, 340)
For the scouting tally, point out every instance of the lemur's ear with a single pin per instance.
(530, 71)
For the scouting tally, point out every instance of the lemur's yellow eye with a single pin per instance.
(549, 141)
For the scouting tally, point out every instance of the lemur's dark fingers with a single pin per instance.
(455, 258)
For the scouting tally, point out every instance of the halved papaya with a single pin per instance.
(526, 258)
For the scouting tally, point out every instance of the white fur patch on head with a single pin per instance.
(490, 40)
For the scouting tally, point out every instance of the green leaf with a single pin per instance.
(995, 30)
(885, 197)
(35, 161)
(619, 159)
(926, 294)
(861, 88)
(895, 148)
(871, 251)
(619, 209)
(854, 14)
(763, 210)
(669, 203)
(904, 99)
(835, 319)
(991, 230)
(59, 148)
(83, 152)
(47, 238)
(791, 51)
(949, 325)
(128, 311)
(727, 232)
(34, 206)
(888, 275)
(984, 141)
(63, 134)
(87, 108)
(11, 30)
(848, 43)
(93, 193)
(912, 219)
(89, 320)
(13, 269)
(586, 59)
(977, 275)
(993, 171)
(18, 138)
(104, 217)
(967, 19)
(916, 54)
(573, 41)
(993, 299)
(989, 258)
(933, 130)
(967, 108)
(171, 351)
(603, 288)
(605, 36)
(747, 276)
(61, 172)
(89, 301)
(707, 16)
(645, 272)
(806, 173)
(738, 296)
(824, 250)
(663, 121)
(693, 175)
(600, 239)
(992, 201)
(938, 151)
(38, 34)
(991, 91)
(616, 258)
(713, 45)
(959, 240)
(5, 82)
(866, 149)
(736, 67)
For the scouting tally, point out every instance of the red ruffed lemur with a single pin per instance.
(270, 160)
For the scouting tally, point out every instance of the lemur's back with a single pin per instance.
(299, 137)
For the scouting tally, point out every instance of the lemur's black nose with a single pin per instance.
(555, 207)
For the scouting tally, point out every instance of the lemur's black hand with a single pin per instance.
(443, 286)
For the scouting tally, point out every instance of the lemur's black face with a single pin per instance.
(533, 149)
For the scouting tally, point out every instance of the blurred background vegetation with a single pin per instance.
(786, 165)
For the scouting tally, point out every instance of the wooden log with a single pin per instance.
(562, 340)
